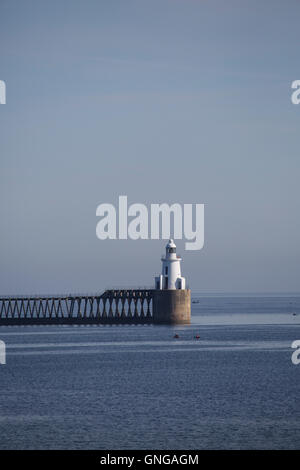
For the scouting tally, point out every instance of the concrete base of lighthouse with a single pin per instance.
(172, 306)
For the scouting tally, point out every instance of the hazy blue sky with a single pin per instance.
(164, 101)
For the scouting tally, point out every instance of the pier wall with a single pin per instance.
(172, 306)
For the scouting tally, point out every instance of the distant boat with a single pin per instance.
(195, 301)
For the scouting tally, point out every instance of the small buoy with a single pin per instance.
(294, 313)
(176, 336)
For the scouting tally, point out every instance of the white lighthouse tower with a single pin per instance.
(170, 277)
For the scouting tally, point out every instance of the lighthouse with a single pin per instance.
(171, 298)
(170, 277)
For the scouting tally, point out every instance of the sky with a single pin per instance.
(175, 101)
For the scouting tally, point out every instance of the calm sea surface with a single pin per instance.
(127, 387)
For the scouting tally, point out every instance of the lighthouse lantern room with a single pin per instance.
(170, 277)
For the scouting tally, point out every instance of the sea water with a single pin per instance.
(139, 387)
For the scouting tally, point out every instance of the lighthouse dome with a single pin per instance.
(171, 248)
(171, 244)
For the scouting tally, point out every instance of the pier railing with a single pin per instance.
(112, 306)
